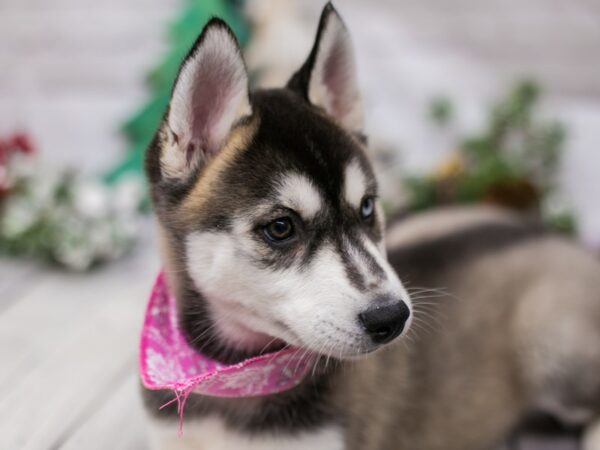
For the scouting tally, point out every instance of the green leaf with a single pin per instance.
(441, 110)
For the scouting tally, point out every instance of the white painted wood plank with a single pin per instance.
(13, 276)
(52, 397)
(18, 345)
(11, 267)
(54, 306)
(117, 424)
(86, 345)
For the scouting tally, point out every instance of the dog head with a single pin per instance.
(268, 204)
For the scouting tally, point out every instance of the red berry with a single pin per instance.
(4, 149)
(22, 142)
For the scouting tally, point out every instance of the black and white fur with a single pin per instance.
(227, 162)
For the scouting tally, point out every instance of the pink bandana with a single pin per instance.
(167, 361)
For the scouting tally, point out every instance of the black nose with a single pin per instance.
(385, 322)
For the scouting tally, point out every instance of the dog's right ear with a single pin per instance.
(210, 95)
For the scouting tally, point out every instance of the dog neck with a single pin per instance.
(200, 331)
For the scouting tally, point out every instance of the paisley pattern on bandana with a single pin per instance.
(167, 361)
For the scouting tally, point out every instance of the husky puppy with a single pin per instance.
(272, 234)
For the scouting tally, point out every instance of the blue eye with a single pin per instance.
(367, 207)
(279, 230)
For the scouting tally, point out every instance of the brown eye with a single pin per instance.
(367, 207)
(279, 230)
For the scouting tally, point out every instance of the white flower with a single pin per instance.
(91, 199)
(42, 188)
(17, 217)
(20, 166)
(74, 250)
(127, 194)
(78, 221)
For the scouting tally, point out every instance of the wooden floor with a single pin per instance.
(68, 345)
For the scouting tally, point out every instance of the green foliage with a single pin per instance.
(564, 223)
(59, 216)
(441, 110)
(513, 160)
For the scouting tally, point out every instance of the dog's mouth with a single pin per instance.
(237, 334)
(346, 346)
(246, 331)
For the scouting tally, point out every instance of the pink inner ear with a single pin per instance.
(338, 77)
(215, 86)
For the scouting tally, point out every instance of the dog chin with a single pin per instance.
(341, 351)
(246, 339)
(242, 335)
(356, 351)
(357, 355)
(243, 338)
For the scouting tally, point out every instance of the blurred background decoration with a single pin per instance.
(54, 214)
(512, 162)
(478, 140)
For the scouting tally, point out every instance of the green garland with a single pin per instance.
(54, 214)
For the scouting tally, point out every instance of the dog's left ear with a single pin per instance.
(328, 78)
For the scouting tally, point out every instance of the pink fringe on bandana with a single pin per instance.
(167, 361)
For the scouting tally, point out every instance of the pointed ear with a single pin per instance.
(328, 78)
(210, 95)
